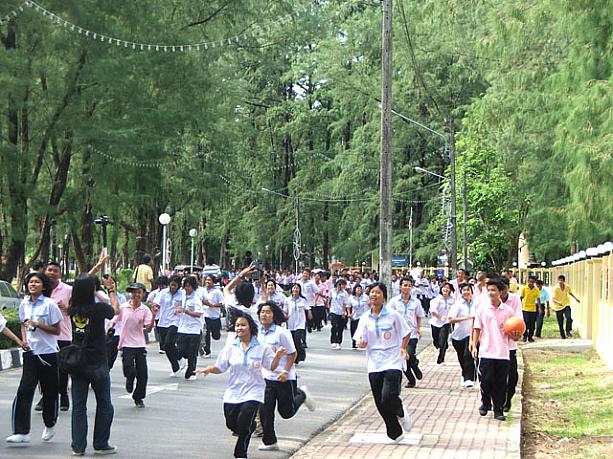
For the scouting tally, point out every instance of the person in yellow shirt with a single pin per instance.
(560, 298)
(530, 303)
(144, 274)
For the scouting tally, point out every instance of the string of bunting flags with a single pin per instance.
(256, 30)
(183, 159)
(12, 14)
(142, 163)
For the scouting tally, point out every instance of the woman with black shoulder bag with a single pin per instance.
(88, 329)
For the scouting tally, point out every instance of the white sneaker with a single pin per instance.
(192, 378)
(18, 438)
(406, 422)
(333, 346)
(398, 439)
(273, 447)
(468, 383)
(309, 401)
(48, 433)
(173, 374)
(182, 364)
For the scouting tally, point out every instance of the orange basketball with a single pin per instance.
(514, 324)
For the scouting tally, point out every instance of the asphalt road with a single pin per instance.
(185, 418)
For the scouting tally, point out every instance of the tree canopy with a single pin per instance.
(194, 108)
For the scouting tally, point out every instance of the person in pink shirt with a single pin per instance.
(135, 318)
(494, 349)
(514, 302)
(480, 288)
(61, 294)
(321, 300)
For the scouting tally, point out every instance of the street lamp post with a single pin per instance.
(104, 221)
(192, 234)
(164, 220)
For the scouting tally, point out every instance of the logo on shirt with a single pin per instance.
(387, 335)
(80, 323)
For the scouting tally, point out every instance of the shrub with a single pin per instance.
(124, 278)
(12, 318)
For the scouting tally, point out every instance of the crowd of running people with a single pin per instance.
(267, 316)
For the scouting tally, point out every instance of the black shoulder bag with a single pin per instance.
(73, 358)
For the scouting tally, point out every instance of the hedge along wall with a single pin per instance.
(12, 317)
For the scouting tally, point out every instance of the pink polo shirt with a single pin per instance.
(494, 342)
(514, 302)
(62, 294)
(133, 321)
(324, 292)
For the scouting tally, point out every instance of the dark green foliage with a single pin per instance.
(524, 85)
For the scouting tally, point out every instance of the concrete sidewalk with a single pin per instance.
(446, 422)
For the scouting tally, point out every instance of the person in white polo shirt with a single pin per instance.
(385, 336)
(245, 357)
(411, 310)
(295, 308)
(166, 303)
(282, 390)
(190, 326)
(461, 315)
(439, 322)
(212, 300)
(339, 303)
(40, 319)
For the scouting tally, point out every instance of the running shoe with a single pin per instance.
(48, 433)
(309, 401)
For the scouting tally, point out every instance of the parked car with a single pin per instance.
(183, 270)
(9, 298)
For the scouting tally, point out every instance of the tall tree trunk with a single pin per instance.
(57, 190)
(222, 250)
(326, 237)
(18, 209)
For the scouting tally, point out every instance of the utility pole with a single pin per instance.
(411, 238)
(385, 195)
(464, 216)
(453, 259)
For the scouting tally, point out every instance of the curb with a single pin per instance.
(11, 358)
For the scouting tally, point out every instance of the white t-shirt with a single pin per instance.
(40, 341)
(2, 322)
(309, 290)
(383, 335)
(396, 288)
(441, 306)
(278, 298)
(294, 308)
(151, 298)
(337, 300)
(246, 381)
(191, 325)
(461, 308)
(167, 302)
(213, 296)
(359, 305)
(275, 337)
(410, 311)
